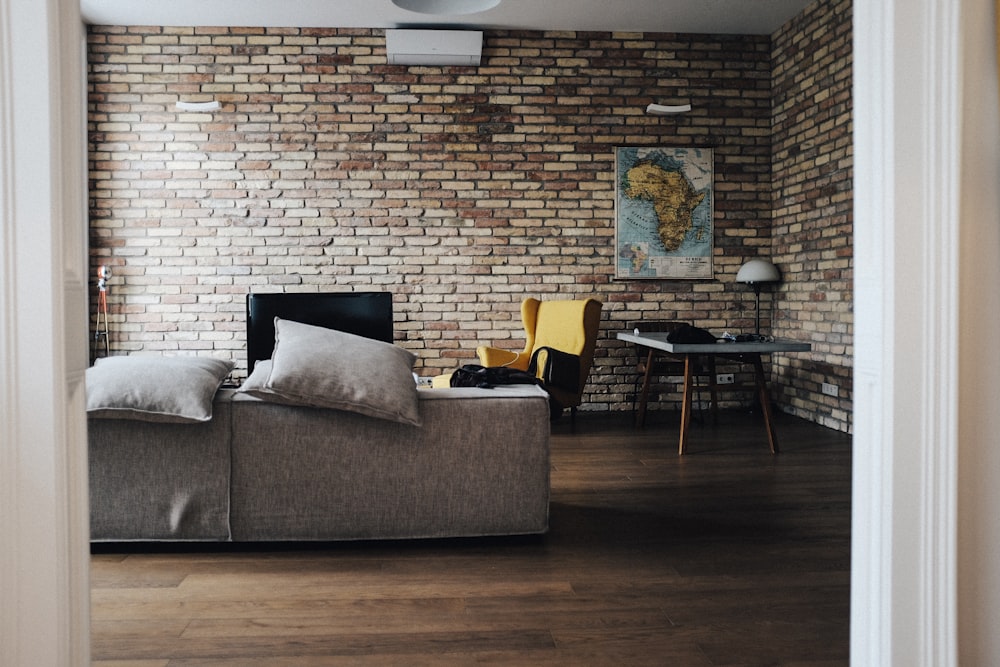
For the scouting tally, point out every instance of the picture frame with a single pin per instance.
(664, 213)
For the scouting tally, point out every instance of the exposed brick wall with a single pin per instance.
(812, 228)
(460, 190)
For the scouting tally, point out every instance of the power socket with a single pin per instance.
(830, 390)
(725, 378)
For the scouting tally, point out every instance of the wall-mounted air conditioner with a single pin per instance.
(434, 47)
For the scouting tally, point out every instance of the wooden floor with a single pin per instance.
(727, 556)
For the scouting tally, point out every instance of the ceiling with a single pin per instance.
(752, 17)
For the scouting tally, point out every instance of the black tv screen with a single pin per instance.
(366, 314)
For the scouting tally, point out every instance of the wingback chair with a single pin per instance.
(566, 326)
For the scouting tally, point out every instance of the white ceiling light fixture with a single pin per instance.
(664, 109)
(446, 7)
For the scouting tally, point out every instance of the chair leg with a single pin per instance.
(640, 418)
(699, 386)
(713, 390)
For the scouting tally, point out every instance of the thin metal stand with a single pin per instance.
(101, 330)
(756, 291)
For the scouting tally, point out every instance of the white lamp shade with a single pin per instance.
(758, 271)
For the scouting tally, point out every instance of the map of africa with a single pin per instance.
(664, 212)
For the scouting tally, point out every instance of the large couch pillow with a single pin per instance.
(155, 389)
(256, 385)
(325, 368)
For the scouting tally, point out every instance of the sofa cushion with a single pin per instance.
(325, 368)
(155, 388)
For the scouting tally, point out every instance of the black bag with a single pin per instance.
(474, 375)
(691, 335)
(559, 369)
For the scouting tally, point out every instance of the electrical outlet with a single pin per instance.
(725, 378)
(830, 389)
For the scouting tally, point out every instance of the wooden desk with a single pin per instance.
(748, 353)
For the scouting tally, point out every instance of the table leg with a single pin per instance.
(640, 418)
(765, 403)
(689, 362)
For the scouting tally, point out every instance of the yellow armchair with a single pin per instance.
(567, 326)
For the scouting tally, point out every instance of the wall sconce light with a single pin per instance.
(755, 272)
(214, 105)
(665, 110)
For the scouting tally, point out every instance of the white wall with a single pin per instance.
(44, 564)
(979, 390)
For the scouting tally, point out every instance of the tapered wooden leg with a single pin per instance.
(686, 400)
(765, 403)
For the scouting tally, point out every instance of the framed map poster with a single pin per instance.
(664, 209)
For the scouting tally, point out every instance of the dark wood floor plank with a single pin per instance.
(727, 556)
(329, 644)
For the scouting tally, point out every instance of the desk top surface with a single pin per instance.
(658, 340)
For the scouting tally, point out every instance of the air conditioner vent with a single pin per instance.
(462, 48)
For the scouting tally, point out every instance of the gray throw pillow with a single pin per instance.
(256, 385)
(325, 368)
(155, 389)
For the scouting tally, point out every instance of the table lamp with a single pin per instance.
(755, 272)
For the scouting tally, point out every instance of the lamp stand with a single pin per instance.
(754, 273)
(756, 291)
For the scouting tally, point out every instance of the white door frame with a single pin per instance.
(44, 553)
(906, 221)
(906, 155)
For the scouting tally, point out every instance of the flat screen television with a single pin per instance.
(366, 314)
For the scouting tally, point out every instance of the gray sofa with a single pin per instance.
(477, 465)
